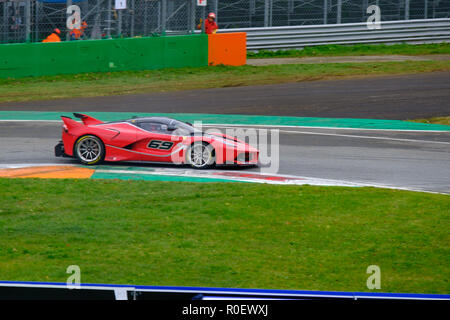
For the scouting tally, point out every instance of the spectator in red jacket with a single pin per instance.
(211, 26)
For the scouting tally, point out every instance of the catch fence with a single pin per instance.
(33, 20)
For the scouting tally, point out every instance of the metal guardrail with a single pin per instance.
(294, 37)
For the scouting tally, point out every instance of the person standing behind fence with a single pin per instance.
(211, 26)
(54, 37)
(76, 34)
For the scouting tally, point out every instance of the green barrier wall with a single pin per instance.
(40, 59)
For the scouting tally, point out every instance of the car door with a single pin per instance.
(155, 142)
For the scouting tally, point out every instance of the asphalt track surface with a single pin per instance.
(395, 97)
(411, 160)
(414, 160)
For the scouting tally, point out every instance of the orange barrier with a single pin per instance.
(48, 172)
(227, 48)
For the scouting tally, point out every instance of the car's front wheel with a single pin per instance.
(89, 150)
(200, 155)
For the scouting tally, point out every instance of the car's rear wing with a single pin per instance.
(69, 123)
(87, 120)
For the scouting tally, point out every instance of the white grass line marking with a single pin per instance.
(293, 180)
(300, 179)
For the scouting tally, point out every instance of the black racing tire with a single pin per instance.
(206, 160)
(89, 150)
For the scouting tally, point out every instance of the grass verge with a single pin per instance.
(355, 50)
(133, 82)
(436, 120)
(225, 235)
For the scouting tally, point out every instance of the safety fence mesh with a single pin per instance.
(34, 20)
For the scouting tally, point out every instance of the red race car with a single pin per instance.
(154, 139)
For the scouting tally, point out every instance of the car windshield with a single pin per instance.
(183, 129)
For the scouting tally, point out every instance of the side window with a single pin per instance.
(154, 127)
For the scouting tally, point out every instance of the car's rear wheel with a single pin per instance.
(89, 150)
(200, 155)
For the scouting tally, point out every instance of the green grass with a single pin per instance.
(132, 82)
(225, 235)
(355, 50)
(436, 120)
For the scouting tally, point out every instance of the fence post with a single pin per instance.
(163, 17)
(133, 15)
(339, 12)
(406, 9)
(425, 9)
(266, 13)
(325, 11)
(215, 9)
(145, 19)
(37, 8)
(203, 17)
(271, 13)
(68, 4)
(193, 4)
(434, 9)
(108, 30)
(365, 4)
(119, 27)
(4, 27)
(290, 6)
(28, 20)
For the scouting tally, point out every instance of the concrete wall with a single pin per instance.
(40, 59)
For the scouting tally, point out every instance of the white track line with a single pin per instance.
(362, 137)
(317, 127)
(365, 137)
(270, 126)
(308, 132)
